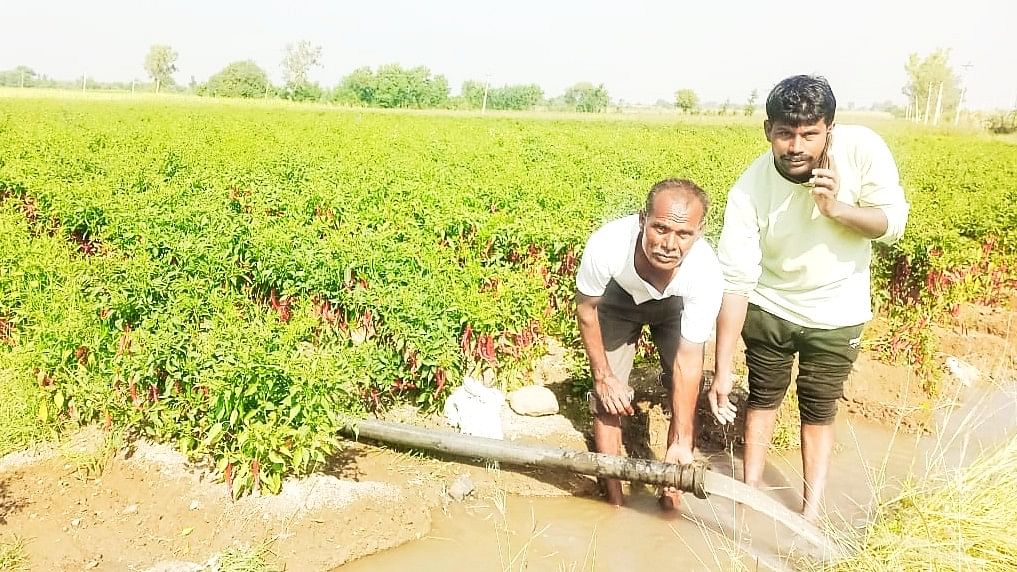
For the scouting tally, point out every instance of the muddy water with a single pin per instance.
(524, 533)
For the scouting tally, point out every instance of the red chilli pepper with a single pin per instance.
(228, 474)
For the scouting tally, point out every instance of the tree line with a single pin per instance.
(387, 86)
(934, 92)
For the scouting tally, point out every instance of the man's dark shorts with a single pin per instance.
(825, 358)
(621, 324)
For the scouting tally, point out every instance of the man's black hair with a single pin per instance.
(801, 100)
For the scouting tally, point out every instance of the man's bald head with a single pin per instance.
(680, 196)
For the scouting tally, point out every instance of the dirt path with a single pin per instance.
(83, 505)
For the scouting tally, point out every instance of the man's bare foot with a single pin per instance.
(670, 499)
(810, 517)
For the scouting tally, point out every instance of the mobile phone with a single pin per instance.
(824, 158)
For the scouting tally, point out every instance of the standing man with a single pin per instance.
(795, 251)
(649, 269)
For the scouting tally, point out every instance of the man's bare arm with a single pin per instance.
(613, 394)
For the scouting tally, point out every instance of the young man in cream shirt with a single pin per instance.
(795, 251)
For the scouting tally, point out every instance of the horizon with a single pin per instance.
(641, 52)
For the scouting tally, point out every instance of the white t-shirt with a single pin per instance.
(610, 253)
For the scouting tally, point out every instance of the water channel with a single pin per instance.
(576, 534)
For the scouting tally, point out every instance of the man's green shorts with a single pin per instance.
(825, 358)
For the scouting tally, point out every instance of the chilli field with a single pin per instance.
(242, 280)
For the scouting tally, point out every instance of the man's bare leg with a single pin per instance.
(759, 424)
(817, 448)
(607, 436)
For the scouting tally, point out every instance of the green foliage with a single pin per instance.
(472, 94)
(586, 97)
(238, 79)
(21, 76)
(960, 245)
(1003, 122)
(511, 97)
(242, 281)
(14, 554)
(393, 86)
(160, 65)
(258, 558)
(750, 104)
(303, 92)
(686, 100)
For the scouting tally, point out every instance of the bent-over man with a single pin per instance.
(650, 269)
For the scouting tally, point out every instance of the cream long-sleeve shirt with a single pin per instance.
(790, 259)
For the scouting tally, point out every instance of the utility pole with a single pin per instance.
(483, 106)
(22, 78)
(964, 91)
(84, 82)
(939, 105)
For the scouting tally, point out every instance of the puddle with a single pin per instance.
(576, 534)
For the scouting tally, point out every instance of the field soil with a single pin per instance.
(89, 504)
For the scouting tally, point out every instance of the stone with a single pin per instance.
(461, 488)
(533, 400)
(962, 371)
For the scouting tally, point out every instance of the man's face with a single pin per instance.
(797, 150)
(670, 228)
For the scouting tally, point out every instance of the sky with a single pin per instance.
(641, 50)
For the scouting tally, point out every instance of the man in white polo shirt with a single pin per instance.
(795, 249)
(649, 269)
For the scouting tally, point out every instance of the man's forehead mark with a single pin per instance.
(678, 212)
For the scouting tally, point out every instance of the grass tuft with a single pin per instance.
(258, 558)
(13, 554)
(962, 519)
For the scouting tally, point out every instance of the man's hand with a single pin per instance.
(679, 453)
(720, 405)
(825, 186)
(614, 396)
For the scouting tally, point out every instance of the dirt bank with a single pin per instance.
(87, 505)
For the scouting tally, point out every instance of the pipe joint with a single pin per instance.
(691, 478)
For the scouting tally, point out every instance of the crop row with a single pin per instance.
(242, 281)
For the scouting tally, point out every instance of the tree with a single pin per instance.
(298, 60)
(161, 64)
(586, 97)
(686, 100)
(514, 97)
(394, 86)
(750, 105)
(925, 76)
(238, 79)
(21, 76)
(472, 93)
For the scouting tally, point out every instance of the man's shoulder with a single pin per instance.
(758, 177)
(618, 228)
(613, 236)
(702, 257)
